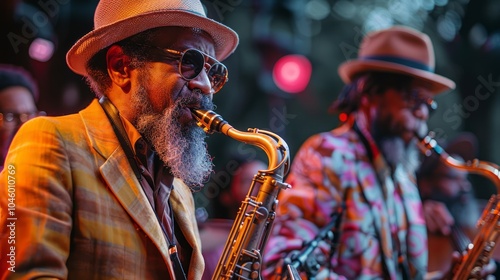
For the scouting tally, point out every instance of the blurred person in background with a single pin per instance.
(367, 166)
(30, 39)
(18, 97)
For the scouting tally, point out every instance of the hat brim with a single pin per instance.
(433, 82)
(225, 39)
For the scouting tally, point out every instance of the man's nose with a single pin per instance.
(201, 82)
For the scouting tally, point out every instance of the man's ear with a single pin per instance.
(118, 64)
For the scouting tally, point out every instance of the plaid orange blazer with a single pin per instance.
(76, 210)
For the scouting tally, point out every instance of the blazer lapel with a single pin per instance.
(120, 177)
(121, 181)
(186, 221)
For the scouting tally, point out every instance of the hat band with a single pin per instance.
(399, 60)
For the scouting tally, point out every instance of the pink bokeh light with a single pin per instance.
(292, 73)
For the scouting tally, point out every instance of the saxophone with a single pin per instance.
(241, 257)
(478, 253)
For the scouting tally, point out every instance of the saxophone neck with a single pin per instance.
(274, 146)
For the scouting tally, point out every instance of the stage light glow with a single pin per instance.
(292, 73)
(41, 49)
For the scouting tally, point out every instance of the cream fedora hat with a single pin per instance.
(115, 20)
(400, 50)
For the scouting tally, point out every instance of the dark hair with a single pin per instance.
(12, 75)
(369, 83)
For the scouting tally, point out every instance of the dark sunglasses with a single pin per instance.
(193, 61)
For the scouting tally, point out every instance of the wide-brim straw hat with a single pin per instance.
(115, 20)
(400, 50)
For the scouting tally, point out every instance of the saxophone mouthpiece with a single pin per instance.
(208, 120)
(429, 145)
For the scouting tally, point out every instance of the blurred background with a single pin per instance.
(283, 76)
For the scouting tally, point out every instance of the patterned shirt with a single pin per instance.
(382, 228)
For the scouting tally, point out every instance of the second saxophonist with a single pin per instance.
(368, 164)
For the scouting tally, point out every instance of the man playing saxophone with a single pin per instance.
(368, 164)
(107, 193)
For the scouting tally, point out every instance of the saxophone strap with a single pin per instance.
(113, 116)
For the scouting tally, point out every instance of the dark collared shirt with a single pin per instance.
(154, 175)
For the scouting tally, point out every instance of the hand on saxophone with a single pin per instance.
(486, 272)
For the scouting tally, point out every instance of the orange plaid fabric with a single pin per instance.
(79, 212)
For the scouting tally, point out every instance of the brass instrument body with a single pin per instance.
(241, 257)
(478, 253)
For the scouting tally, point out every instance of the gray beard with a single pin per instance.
(181, 148)
(395, 152)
